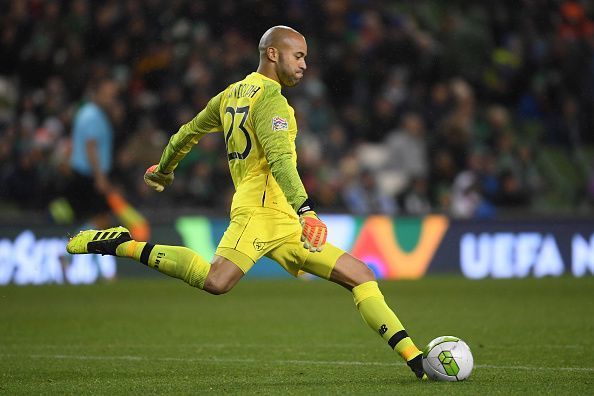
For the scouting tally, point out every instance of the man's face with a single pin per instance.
(107, 94)
(291, 62)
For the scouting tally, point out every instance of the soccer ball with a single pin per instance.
(447, 358)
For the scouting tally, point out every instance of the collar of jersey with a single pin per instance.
(267, 78)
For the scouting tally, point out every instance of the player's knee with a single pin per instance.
(222, 276)
(217, 283)
(218, 286)
(363, 273)
(350, 272)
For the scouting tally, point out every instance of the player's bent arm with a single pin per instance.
(277, 146)
(282, 166)
(279, 154)
(180, 144)
(285, 173)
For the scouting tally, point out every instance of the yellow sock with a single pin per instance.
(176, 261)
(376, 313)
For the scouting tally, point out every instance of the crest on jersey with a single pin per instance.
(279, 124)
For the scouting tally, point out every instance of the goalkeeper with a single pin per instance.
(271, 214)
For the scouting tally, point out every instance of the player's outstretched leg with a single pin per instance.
(357, 277)
(176, 261)
(378, 315)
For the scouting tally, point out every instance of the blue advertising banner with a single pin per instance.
(395, 248)
(517, 249)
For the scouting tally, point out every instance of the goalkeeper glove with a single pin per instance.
(314, 231)
(157, 179)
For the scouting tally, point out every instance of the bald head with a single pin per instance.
(282, 55)
(276, 37)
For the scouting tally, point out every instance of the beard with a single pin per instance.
(291, 81)
(287, 75)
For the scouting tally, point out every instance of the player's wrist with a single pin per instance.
(310, 215)
(157, 170)
(307, 208)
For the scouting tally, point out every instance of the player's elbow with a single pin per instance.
(279, 161)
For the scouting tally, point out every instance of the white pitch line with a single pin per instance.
(306, 362)
(529, 368)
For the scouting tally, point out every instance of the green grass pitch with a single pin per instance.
(291, 337)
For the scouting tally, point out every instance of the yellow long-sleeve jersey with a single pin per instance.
(259, 129)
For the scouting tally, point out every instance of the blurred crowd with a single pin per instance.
(406, 107)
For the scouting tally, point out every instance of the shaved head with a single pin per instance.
(276, 37)
(282, 55)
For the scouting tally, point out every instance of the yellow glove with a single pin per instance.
(157, 179)
(314, 231)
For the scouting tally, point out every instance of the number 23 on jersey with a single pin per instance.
(232, 139)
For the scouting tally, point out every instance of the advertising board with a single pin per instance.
(395, 248)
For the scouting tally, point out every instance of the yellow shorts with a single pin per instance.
(257, 231)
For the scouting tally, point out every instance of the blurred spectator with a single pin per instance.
(92, 155)
(89, 192)
(407, 148)
(438, 105)
(363, 196)
(145, 145)
(512, 193)
(441, 178)
(475, 188)
(416, 200)
(467, 200)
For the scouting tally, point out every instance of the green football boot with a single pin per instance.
(98, 241)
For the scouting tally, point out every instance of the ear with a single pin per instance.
(272, 54)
